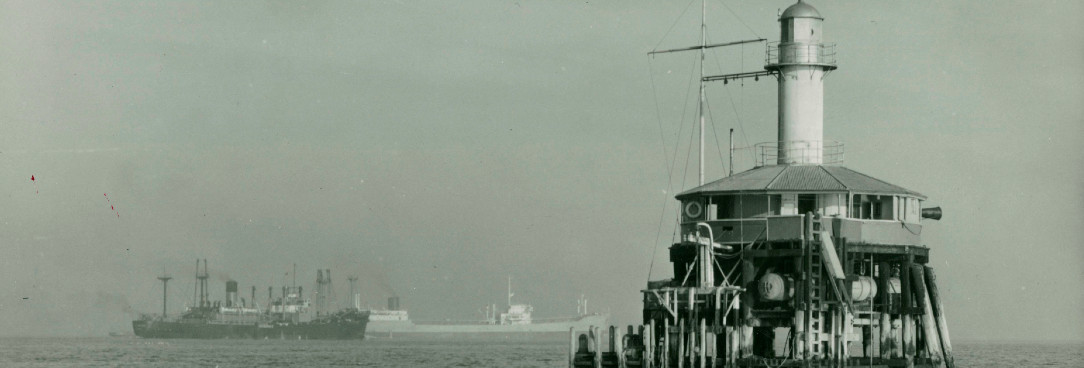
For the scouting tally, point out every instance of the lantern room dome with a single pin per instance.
(800, 10)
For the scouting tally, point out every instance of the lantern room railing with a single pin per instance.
(790, 53)
(799, 152)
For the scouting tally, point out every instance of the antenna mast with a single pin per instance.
(700, 104)
(703, 96)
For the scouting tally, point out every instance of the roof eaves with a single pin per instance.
(911, 192)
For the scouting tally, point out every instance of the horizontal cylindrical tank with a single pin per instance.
(776, 287)
(864, 288)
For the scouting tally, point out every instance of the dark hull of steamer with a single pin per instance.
(350, 327)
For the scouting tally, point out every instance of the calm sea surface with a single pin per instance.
(133, 352)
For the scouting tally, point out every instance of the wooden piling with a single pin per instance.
(571, 347)
(703, 342)
(939, 315)
(929, 324)
(649, 345)
(665, 356)
(732, 343)
(897, 334)
(613, 339)
(619, 347)
(848, 328)
(908, 339)
(798, 339)
(681, 344)
(748, 276)
(884, 278)
(746, 339)
(598, 346)
(887, 342)
(831, 317)
(906, 309)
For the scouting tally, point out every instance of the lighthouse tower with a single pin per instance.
(798, 261)
(801, 61)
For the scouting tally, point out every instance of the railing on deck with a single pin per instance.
(800, 53)
(799, 152)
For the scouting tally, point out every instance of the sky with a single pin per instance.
(433, 149)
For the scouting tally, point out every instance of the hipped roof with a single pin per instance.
(800, 178)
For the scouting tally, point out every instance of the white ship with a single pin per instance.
(514, 323)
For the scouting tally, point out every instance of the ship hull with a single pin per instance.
(204, 330)
(541, 331)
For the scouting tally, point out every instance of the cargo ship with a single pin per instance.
(290, 316)
(514, 323)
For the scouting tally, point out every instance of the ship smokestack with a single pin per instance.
(802, 61)
(393, 303)
(231, 293)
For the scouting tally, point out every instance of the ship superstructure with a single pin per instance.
(798, 262)
(290, 316)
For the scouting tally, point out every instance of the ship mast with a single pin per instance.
(165, 279)
(509, 291)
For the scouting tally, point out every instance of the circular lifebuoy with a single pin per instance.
(693, 210)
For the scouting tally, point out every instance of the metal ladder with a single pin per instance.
(817, 328)
(816, 300)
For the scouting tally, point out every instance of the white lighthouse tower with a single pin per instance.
(802, 61)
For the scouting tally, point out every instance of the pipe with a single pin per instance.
(707, 257)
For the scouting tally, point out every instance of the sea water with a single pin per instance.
(135, 352)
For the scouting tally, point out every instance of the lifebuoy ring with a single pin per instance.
(693, 210)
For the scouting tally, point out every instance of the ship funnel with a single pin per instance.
(393, 303)
(231, 293)
(933, 213)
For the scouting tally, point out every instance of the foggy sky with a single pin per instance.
(435, 148)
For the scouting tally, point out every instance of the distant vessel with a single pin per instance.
(515, 323)
(289, 317)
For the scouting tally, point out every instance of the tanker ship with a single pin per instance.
(290, 316)
(515, 323)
